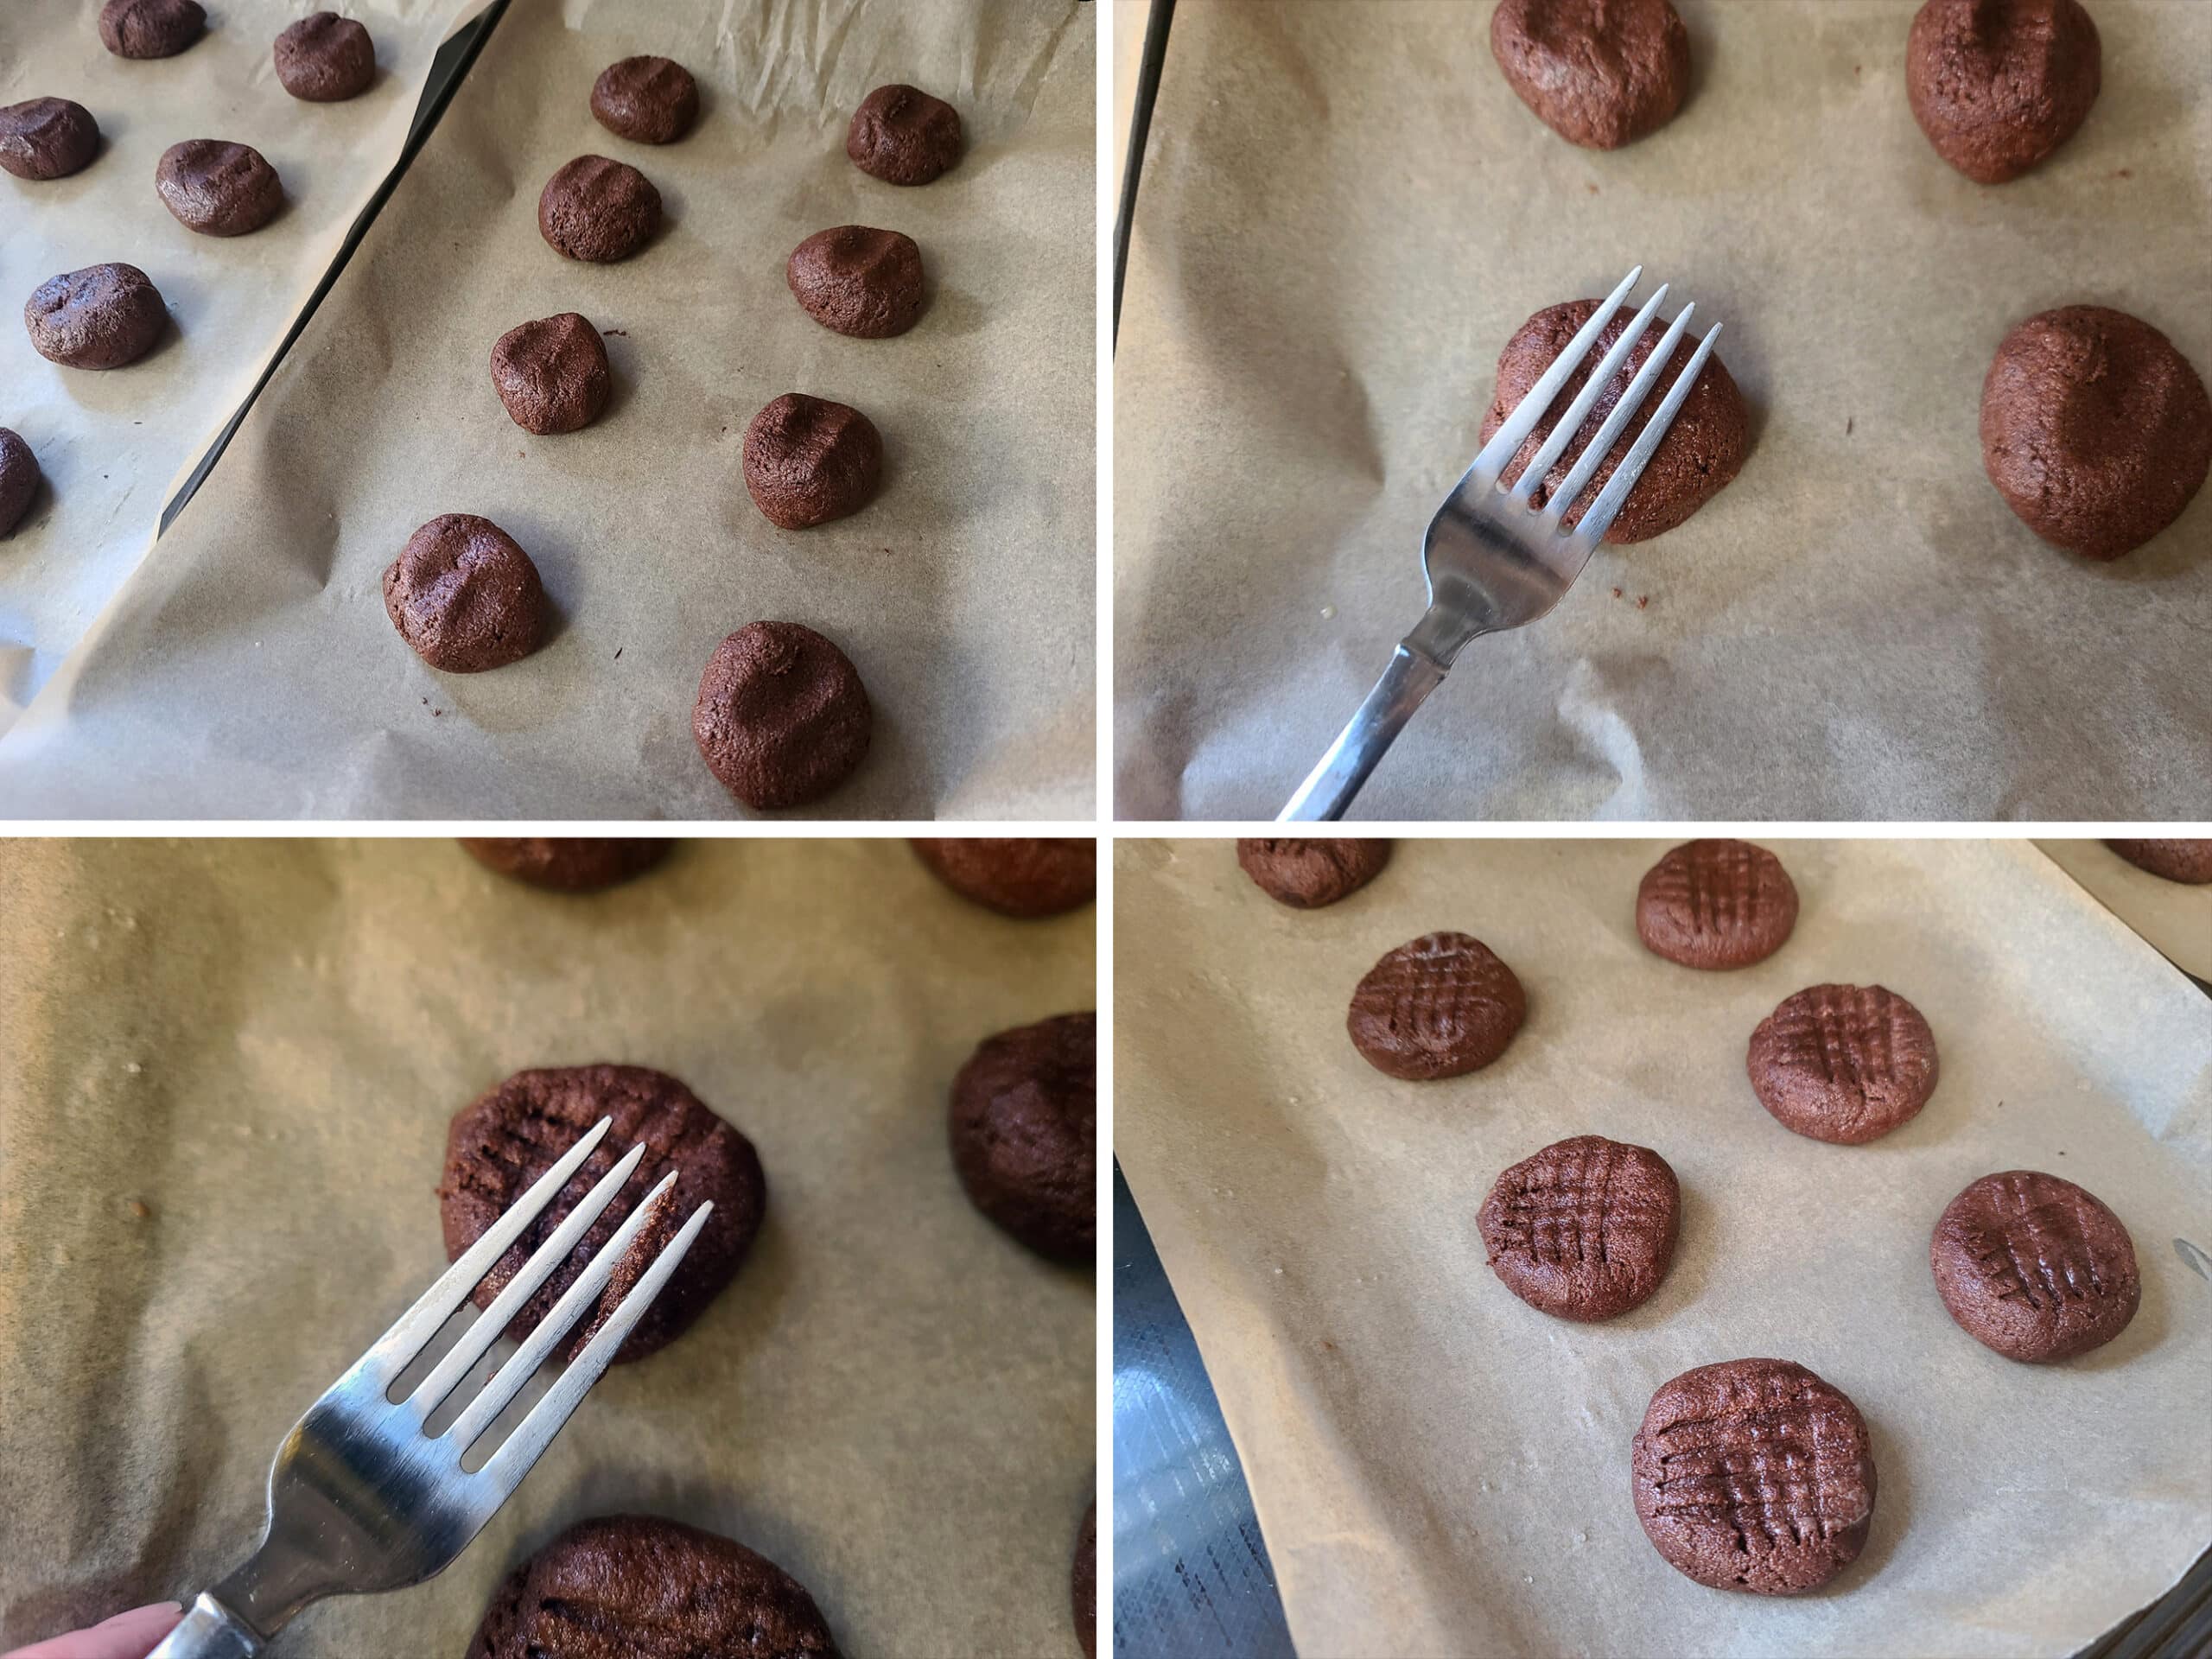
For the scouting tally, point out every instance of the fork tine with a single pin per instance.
(396, 1350)
(1595, 523)
(497, 1318)
(1530, 409)
(1571, 423)
(1587, 462)
(506, 1467)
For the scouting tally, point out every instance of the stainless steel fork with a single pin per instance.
(1493, 560)
(361, 1496)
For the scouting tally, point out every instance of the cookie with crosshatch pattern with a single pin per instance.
(2034, 1268)
(1586, 1229)
(1716, 904)
(1436, 1007)
(1843, 1063)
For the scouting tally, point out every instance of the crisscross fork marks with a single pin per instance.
(1563, 1208)
(2053, 1227)
(1439, 982)
(1774, 1465)
(1851, 1035)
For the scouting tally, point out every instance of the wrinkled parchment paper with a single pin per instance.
(1441, 1470)
(2173, 916)
(262, 1042)
(115, 446)
(1340, 227)
(250, 671)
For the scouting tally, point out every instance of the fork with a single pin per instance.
(1492, 559)
(362, 1498)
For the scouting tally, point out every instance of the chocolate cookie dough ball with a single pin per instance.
(1845, 1064)
(101, 317)
(47, 138)
(1597, 73)
(19, 477)
(1439, 1006)
(1999, 85)
(2033, 1267)
(567, 863)
(501, 1143)
(464, 595)
(1716, 904)
(903, 137)
(150, 29)
(551, 374)
(2189, 862)
(1703, 449)
(859, 281)
(217, 188)
(1586, 1229)
(1307, 871)
(1754, 1475)
(1025, 1133)
(2095, 429)
(326, 59)
(782, 717)
(808, 460)
(598, 210)
(1027, 877)
(1085, 1587)
(649, 100)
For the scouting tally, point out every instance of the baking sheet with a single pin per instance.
(1340, 227)
(115, 446)
(262, 1042)
(1440, 1469)
(250, 670)
(2174, 917)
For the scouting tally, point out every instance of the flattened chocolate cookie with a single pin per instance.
(1716, 904)
(325, 58)
(2033, 1267)
(1307, 872)
(568, 863)
(808, 460)
(1999, 85)
(217, 188)
(1597, 73)
(859, 281)
(504, 1141)
(2095, 429)
(464, 595)
(782, 717)
(150, 29)
(1754, 1475)
(1703, 449)
(1436, 1007)
(1024, 876)
(1024, 1128)
(622, 1586)
(598, 210)
(903, 137)
(19, 476)
(648, 100)
(1843, 1063)
(2176, 861)
(551, 374)
(1086, 1583)
(1586, 1229)
(47, 138)
(101, 317)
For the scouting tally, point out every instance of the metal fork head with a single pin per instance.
(1493, 558)
(361, 1496)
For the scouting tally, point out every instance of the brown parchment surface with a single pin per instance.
(262, 1042)
(1441, 1470)
(250, 670)
(1346, 212)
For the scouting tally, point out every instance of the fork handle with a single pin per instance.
(210, 1630)
(1328, 790)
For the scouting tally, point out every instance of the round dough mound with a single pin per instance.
(1024, 1126)
(1716, 904)
(1307, 871)
(598, 210)
(326, 59)
(782, 717)
(2189, 862)
(150, 29)
(501, 1143)
(1999, 85)
(551, 374)
(101, 317)
(621, 1587)
(859, 281)
(1754, 1475)
(808, 460)
(2095, 429)
(1597, 73)
(567, 863)
(1439, 1006)
(1703, 449)
(1586, 1229)
(2034, 1268)
(903, 137)
(47, 138)
(464, 595)
(1845, 1064)
(648, 100)
(19, 476)
(217, 188)
(1023, 876)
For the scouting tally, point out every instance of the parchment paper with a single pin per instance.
(262, 1042)
(251, 671)
(2173, 916)
(114, 446)
(1440, 1470)
(1342, 222)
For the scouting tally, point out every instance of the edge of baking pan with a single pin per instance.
(1153, 54)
